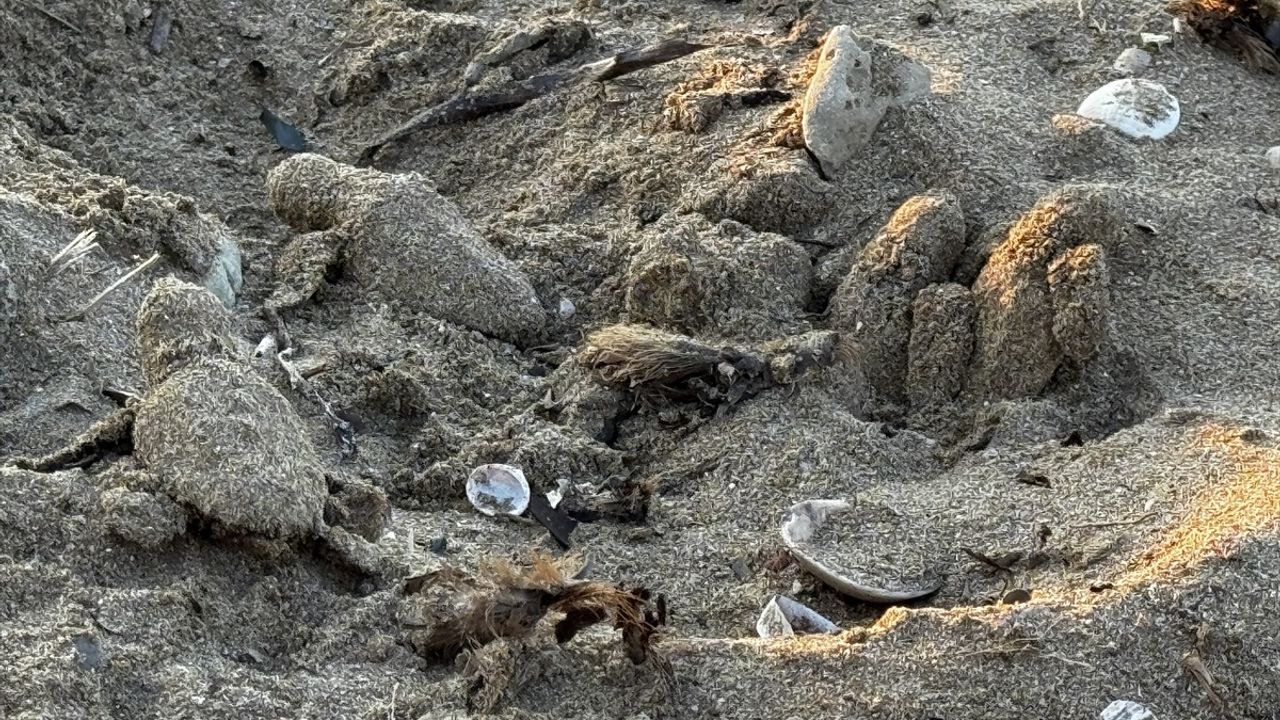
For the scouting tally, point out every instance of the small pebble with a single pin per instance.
(567, 308)
(1273, 157)
(1132, 61)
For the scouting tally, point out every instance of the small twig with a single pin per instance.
(986, 560)
(1116, 523)
(124, 279)
(61, 21)
(467, 108)
(342, 428)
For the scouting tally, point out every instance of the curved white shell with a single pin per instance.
(784, 617)
(802, 520)
(1137, 108)
(498, 489)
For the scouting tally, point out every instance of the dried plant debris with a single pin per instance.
(503, 601)
(1250, 28)
(681, 368)
(472, 107)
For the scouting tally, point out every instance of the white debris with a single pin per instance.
(266, 346)
(784, 617)
(1132, 61)
(1157, 39)
(1137, 108)
(1126, 710)
(498, 489)
(1273, 157)
(567, 309)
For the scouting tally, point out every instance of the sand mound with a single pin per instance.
(1036, 357)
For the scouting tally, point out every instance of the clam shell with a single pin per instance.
(784, 617)
(798, 528)
(497, 489)
(1137, 108)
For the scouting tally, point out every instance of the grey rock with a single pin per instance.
(857, 80)
(841, 111)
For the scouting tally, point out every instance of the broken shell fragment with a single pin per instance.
(1137, 108)
(1125, 710)
(800, 530)
(784, 617)
(497, 489)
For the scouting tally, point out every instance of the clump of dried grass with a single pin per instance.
(504, 601)
(679, 367)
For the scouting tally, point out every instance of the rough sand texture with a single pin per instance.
(1109, 441)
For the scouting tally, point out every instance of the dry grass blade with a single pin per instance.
(74, 252)
(60, 20)
(112, 287)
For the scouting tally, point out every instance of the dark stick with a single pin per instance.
(467, 108)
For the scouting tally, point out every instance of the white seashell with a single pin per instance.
(1132, 61)
(798, 528)
(1158, 39)
(1137, 108)
(498, 489)
(266, 346)
(1273, 157)
(784, 617)
(1126, 710)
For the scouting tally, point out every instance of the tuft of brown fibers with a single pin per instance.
(636, 355)
(507, 602)
(1250, 28)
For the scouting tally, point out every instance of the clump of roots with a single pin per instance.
(681, 368)
(1248, 27)
(508, 602)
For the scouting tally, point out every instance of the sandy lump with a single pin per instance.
(1042, 266)
(400, 240)
(917, 247)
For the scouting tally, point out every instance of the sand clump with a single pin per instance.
(398, 238)
(725, 278)
(1057, 403)
(919, 246)
(1019, 338)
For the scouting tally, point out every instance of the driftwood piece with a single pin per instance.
(473, 107)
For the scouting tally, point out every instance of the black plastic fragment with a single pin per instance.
(560, 525)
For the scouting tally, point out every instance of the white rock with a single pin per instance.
(1273, 157)
(1126, 710)
(1137, 108)
(1132, 61)
(567, 308)
(498, 489)
(840, 108)
(1157, 39)
(784, 617)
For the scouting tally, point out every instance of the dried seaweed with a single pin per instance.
(681, 368)
(507, 602)
(474, 107)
